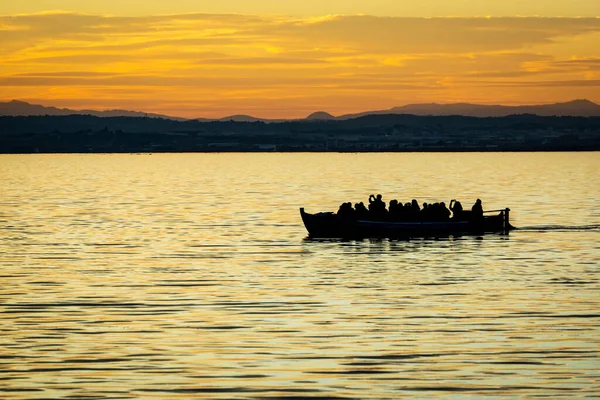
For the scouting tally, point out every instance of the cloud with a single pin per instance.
(64, 73)
(261, 61)
(239, 83)
(538, 84)
(253, 58)
(432, 35)
(579, 62)
(367, 33)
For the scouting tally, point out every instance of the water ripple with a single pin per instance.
(189, 276)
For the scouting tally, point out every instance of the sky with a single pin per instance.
(276, 59)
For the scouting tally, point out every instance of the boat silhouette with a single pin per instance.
(328, 225)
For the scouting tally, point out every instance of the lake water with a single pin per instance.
(188, 276)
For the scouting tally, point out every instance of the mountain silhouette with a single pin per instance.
(23, 109)
(320, 116)
(575, 108)
(240, 118)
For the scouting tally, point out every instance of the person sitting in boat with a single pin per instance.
(425, 213)
(400, 214)
(477, 210)
(444, 212)
(393, 207)
(377, 209)
(407, 213)
(411, 211)
(396, 211)
(434, 213)
(415, 205)
(361, 211)
(346, 211)
(376, 203)
(456, 209)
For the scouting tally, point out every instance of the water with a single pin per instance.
(179, 276)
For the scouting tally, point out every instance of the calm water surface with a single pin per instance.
(189, 276)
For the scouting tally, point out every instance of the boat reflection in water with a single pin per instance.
(332, 226)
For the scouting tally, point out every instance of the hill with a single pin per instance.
(17, 108)
(320, 116)
(240, 118)
(575, 108)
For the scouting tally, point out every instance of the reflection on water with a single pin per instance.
(178, 276)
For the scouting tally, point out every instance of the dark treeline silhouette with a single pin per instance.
(394, 132)
(410, 211)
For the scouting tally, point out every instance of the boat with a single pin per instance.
(328, 225)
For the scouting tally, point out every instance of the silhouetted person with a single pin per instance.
(400, 214)
(425, 213)
(393, 209)
(409, 212)
(477, 210)
(376, 203)
(456, 208)
(434, 212)
(444, 212)
(361, 211)
(346, 211)
(377, 207)
(415, 205)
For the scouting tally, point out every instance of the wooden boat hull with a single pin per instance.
(330, 225)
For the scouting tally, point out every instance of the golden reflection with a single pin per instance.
(172, 275)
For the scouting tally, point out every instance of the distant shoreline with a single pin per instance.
(369, 134)
(322, 152)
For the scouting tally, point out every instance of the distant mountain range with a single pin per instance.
(575, 108)
(21, 108)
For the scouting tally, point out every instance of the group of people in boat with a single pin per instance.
(409, 212)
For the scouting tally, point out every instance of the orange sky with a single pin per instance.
(195, 61)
